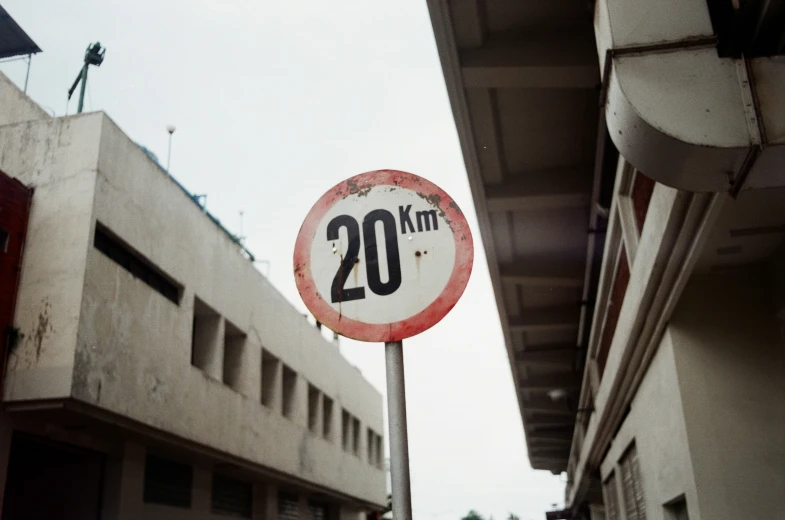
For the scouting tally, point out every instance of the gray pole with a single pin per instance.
(81, 92)
(399, 441)
(27, 76)
(169, 153)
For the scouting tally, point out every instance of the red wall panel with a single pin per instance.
(15, 201)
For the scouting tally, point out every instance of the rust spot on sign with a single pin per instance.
(356, 189)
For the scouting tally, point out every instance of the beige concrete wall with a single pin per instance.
(730, 360)
(132, 352)
(58, 158)
(656, 425)
(15, 106)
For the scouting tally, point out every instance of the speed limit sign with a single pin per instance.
(383, 256)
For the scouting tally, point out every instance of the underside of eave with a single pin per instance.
(554, 195)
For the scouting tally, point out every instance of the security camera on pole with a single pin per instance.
(381, 257)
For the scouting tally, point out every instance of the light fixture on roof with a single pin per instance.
(170, 129)
(557, 394)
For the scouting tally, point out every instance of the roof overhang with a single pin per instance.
(13, 40)
(681, 111)
(524, 85)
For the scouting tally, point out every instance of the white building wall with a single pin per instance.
(656, 425)
(111, 341)
(58, 158)
(15, 106)
(730, 359)
(708, 419)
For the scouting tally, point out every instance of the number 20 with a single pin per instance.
(338, 292)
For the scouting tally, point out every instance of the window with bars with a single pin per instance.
(167, 482)
(317, 511)
(632, 485)
(288, 506)
(231, 497)
(611, 495)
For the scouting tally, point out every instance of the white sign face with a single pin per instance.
(383, 256)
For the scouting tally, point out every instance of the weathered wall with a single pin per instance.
(656, 425)
(15, 106)
(95, 332)
(58, 158)
(134, 349)
(731, 364)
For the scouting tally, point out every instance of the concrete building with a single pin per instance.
(626, 159)
(154, 372)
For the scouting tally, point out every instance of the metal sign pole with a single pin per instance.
(399, 441)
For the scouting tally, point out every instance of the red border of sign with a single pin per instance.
(431, 315)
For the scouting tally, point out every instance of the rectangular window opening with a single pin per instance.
(611, 497)
(327, 418)
(270, 371)
(677, 509)
(346, 434)
(205, 340)
(632, 485)
(356, 436)
(136, 264)
(618, 291)
(371, 444)
(379, 451)
(313, 409)
(234, 354)
(167, 482)
(288, 506)
(317, 511)
(288, 391)
(231, 497)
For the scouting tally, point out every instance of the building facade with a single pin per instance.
(626, 159)
(155, 373)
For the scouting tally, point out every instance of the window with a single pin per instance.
(288, 506)
(205, 340)
(313, 409)
(289, 391)
(371, 438)
(136, 264)
(234, 353)
(231, 497)
(379, 452)
(610, 492)
(632, 485)
(327, 418)
(677, 509)
(356, 436)
(317, 511)
(167, 482)
(346, 434)
(270, 377)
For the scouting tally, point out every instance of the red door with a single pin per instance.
(15, 201)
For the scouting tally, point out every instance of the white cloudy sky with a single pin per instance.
(275, 102)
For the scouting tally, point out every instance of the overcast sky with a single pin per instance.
(274, 103)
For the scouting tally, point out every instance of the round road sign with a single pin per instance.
(383, 256)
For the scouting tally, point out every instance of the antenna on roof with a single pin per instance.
(94, 55)
(241, 237)
(170, 129)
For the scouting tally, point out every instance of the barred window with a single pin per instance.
(632, 485)
(609, 490)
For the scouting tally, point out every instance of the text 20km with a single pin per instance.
(426, 220)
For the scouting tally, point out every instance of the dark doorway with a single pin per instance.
(49, 480)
